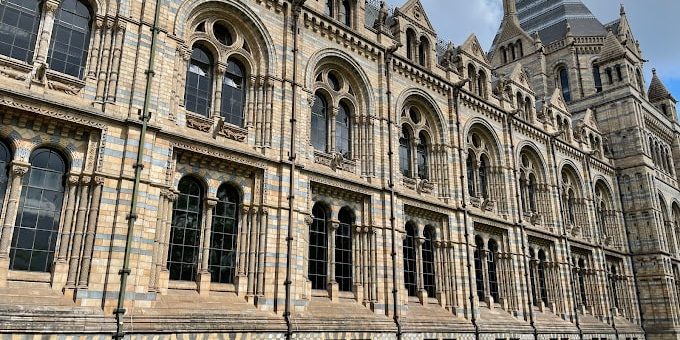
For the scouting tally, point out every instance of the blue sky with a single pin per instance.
(655, 24)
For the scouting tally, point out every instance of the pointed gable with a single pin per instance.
(590, 121)
(612, 49)
(473, 48)
(518, 76)
(557, 101)
(414, 11)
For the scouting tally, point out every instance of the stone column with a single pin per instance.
(115, 61)
(242, 266)
(164, 274)
(60, 269)
(17, 172)
(50, 9)
(204, 276)
(94, 53)
(252, 250)
(78, 232)
(107, 38)
(333, 289)
(91, 232)
(422, 293)
(264, 221)
(217, 109)
(331, 129)
(158, 241)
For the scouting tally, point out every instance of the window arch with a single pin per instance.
(597, 78)
(198, 88)
(319, 123)
(520, 48)
(492, 269)
(5, 160)
(429, 283)
(563, 83)
(318, 248)
(610, 77)
(410, 271)
(405, 152)
(224, 233)
(619, 73)
(39, 212)
(573, 206)
(423, 157)
(185, 232)
(20, 20)
(504, 55)
(70, 41)
(472, 75)
(481, 146)
(233, 93)
(343, 131)
(343, 251)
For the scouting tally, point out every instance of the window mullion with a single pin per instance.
(220, 70)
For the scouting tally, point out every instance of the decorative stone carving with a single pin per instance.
(232, 132)
(65, 88)
(425, 186)
(335, 161)
(202, 124)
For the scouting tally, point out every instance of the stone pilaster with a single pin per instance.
(17, 172)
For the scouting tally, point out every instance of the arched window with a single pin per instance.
(481, 84)
(479, 269)
(492, 269)
(422, 151)
(580, 276)
(319, 127)
(70, 38)
(405, 152)
(612, 286)
(318, 248)
(664, 109)
(571, 203)
(513, 52)
(610, 77)
(343, 131)
(563, 82)
(37, 224)
(330, 8)
(199, 81)
(19, 23)
(346, 12)
(410, 260)
(343, 251)
(472, 75)
(5, 159)
(520, 48)
(504, 55)
(185, 233)
(640, 83)
(483, 176)
(470, 165)
(542, 286)
(423, 49)
(619, 73)
(222, 261)
(428, 263)
(597, 78)
(410, 44)
(233, 93)
(531, 191)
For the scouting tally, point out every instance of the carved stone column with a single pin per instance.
(60, 269)
(204, 272)
(50, 9)
(333, 288)
(164, 274)
(217, 110)
(78, 232)
(422, 293)
(264, 221)
(242, 265)
(94, 53)
(107, 37)
(91, 232)
(115, 61)
(17, 172)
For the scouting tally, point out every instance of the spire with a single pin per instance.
(657, 90)
(510, 8)
(612, 48)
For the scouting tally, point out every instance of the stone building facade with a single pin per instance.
(332, 170)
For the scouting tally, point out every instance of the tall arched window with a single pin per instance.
(571, 209)
(330, 8)
(423, 49)
(5, 159)
(346, 12)
(318, 248)
(405, 152)
(470, 166)
(531, 190)
(612, 286)
(428, 263)
(233, 93)
(343, 251)
(224, 232)
(492, 269)
(532, 276)
(319, 127)
(542, 286)
(19, 23)
(504, 55)
(564, 84)
(70, 38)
(343, 131)
(410, 260)
(597, 78)
(619, 73)
(422, 157)
(472, 75)
(580, 276)
(484, 176)
(481, 84)
(185, 233)
(410, 44)
(198, 89)
(479, 269)
(520, 48)
(610, 78)
(37, 223)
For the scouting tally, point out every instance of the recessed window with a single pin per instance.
(199, 82)
(233, 93)
(343, 124)
(19, 22)
(318, 248)
(334, 81)
(5, 159)
(410, 270)
(222, 34)
(428, 263)
(222, 262)
(200, 27)
(343, 251)
(185, 232)
(319, 127)
(415, 115)
(405, 152)
(70, 38)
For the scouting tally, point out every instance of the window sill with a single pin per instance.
(64, 83)
(319, 293)
(17, 275)
(222, 287)
(182, 285)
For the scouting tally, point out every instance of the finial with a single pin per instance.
(622, 10)
(654, 71)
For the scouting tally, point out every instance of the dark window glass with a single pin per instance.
(523, 190)
(520, 48)
(428, 263)
(334, 81)
(330, 10)
(410, 261)
(610, 78)
(346, 12)
(19, 22)
(343, 252)
(222, 34)
(5, 159)
(470, 166)
(318, 248)
(582, 281)
(185, 233)
(422, 157)
(405, 152)
(484, 176)
(564, 85)
(504, 55)
(597, 78)
(571, 201)
(542, 285)
(619, 74)
(319, 127)
(492, 270)
(343, 131)
(224, 232)
(532, 276)
(410, 37)
(37, 223)
(531, 188)
(199, 82)
(233, 94)
(422, 52)
(612, 286)
(70, 38)
(479, 272)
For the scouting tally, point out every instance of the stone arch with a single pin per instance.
(427, 104)
(491, 136)
(531, 149)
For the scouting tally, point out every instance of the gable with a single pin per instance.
(472, 47)
(557, 101)
(414, 11)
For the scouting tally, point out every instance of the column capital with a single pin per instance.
(211, 202)
(99, 180)
(335, 224)
(309, 220)
(121, 25)
(20, 169)
(264, 210)
(73, 179)
(85, 180)
(172, 196)
(51, 6)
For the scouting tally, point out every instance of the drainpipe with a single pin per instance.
(389, 53)
(292, 158)
(132, 218)
(565, 234)
(520, 224)
(456, 97)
